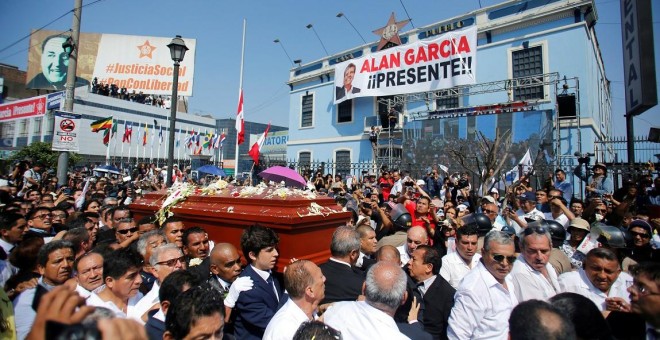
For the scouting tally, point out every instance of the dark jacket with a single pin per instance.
(342, 283)
(436, 307)
(256, 307)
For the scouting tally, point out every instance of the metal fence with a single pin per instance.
(538, 178)
(615, 150)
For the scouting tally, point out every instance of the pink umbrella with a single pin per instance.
(279, 173)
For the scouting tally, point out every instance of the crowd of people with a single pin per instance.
(420, 258)
(114, 91)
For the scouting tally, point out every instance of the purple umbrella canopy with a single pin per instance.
(279, 173)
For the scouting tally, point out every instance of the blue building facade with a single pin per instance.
(549, 46)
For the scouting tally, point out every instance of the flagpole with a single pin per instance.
(114, 151)
(240, 91)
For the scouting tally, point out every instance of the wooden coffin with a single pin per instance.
(304, 222)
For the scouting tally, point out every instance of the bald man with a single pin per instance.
(225, 266)
(416, 237)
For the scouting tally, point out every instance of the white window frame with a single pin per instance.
(546, 63)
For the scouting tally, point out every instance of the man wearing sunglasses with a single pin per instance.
(164, 261)
(484, 299)
(532, 275)
(126, 232)
(642, 250)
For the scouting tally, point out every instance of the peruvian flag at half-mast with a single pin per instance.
(256, 147)
(240, 122)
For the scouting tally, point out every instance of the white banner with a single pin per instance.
(143, 64)
(448, 60)
(67, 131)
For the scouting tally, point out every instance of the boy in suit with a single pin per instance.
(255, 307)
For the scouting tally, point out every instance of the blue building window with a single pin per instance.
(307, 113)
(305, 159)
(343, 162)
(525, 63)
(345, 111)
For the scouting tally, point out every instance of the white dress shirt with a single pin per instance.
(578, 282)
(534, 215)
(562, 219)
(454, 269)
(285, 322)
(6, 246)
(529, 283)
(265, 275)
(397, 187)
(358, 320)
(404, 254)
(95, 301)
(482, 307)
(145, 303)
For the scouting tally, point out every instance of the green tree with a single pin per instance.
(41, 152)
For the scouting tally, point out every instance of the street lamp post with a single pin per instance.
(177, 51)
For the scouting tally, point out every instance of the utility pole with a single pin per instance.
(69, 88)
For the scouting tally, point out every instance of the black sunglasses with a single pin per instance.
(500, 258)
(126, 231)
(642, 235)
(532, 230)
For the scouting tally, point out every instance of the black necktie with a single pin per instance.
(420, 288)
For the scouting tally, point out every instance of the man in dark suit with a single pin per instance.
(343, 282)
(255, 307)
(437, 294)
(349, 75)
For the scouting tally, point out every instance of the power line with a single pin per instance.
(44, 26)
(408, 15)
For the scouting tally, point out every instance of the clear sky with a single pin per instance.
(217, 26)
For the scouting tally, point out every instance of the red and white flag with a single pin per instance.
(240, 122)
(256, 147)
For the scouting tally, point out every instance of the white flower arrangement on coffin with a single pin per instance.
(177, 193)
(214, 187)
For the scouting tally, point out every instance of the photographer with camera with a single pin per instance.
(599, 183)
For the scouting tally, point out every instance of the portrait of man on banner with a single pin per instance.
(347, 89)
(54, 65)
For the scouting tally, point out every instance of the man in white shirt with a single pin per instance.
(484, 299)
(121, 275)
(527, 212)
(385, 291)
(89, 269)
(416, 237)
(558, 210)
(532, 275)
(601, 280)
(305, 283)
(457, 264)
(164, 260)
(398, 184)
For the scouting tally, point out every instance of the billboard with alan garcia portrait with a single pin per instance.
(441, 62)
(138, 63)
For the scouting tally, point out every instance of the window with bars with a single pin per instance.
(446, 102)
(524, 63)
(307, 111)
(345, 111)
(305, 158)
(343, 162)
